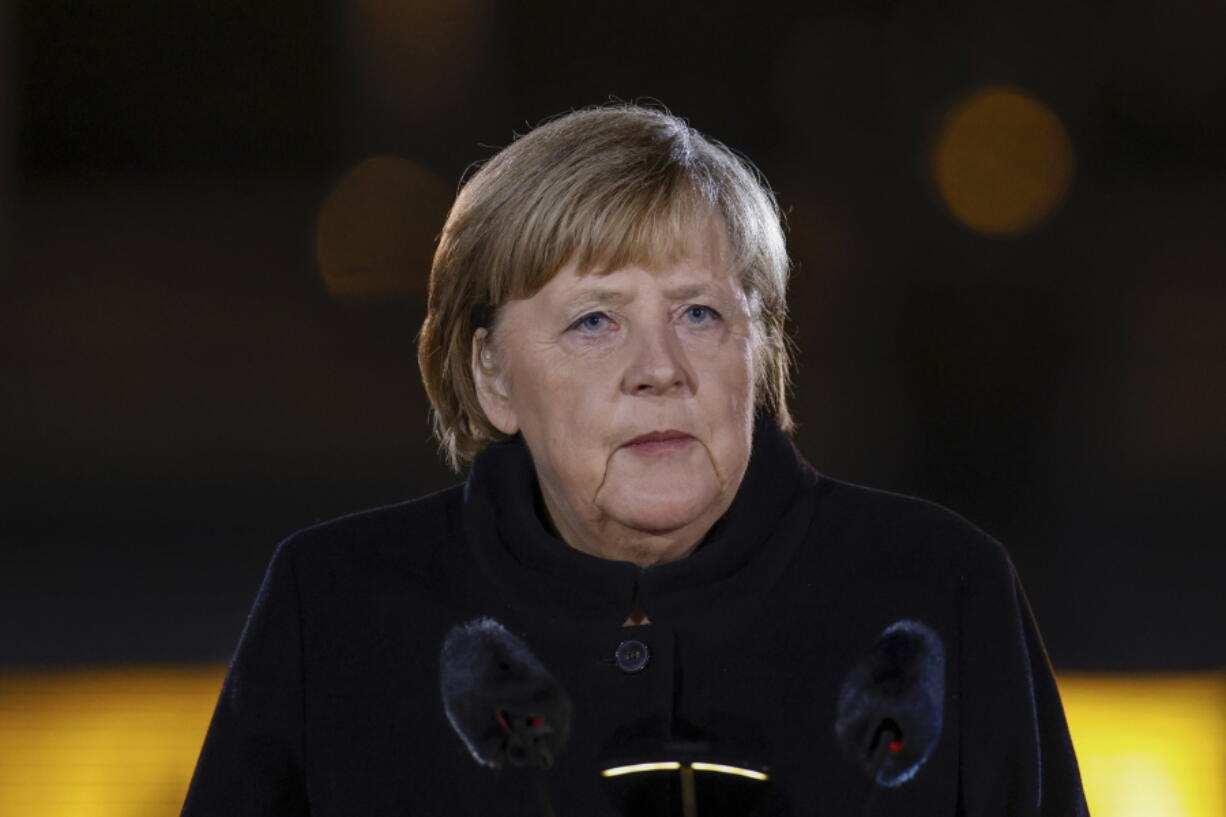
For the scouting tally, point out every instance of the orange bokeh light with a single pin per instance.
(1003, 161)
(377, 227)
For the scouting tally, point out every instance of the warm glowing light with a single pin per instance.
(1003, 161)
(123, 742)
(635, 768)
(102, 743)
(1150, 745)
(720, 768)
(671, 766)
(376, 228)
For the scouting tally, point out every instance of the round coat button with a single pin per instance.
(632, 656)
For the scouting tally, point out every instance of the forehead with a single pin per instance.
(619, 287)
(699, 262)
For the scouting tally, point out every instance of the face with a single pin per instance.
(591, 362)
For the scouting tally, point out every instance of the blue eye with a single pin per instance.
(591, 322)
(700, 310)
(585, 321)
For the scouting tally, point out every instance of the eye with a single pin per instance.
(588, 321)
(699, 309)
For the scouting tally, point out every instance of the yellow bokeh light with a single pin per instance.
(1003, 161)
(376, 228)
(123, 742)
(102, 743)
(1150, 745)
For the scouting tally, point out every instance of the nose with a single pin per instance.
(659, 364)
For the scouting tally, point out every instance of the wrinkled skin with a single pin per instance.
(580, 378)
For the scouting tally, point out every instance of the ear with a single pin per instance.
(492, 380)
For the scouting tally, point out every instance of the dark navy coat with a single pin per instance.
(815, 621)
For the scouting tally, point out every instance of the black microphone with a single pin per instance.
(891, 704)
(501, 700)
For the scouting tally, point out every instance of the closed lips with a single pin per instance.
(658, 436)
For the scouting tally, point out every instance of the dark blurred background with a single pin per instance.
(216, 222)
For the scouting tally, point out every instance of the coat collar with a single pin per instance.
(503, 522)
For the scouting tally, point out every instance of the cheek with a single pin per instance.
(732, 362)
(571, 382)
(546, 385)
(570, 406)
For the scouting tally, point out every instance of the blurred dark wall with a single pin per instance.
(8, 148)
(209, 317)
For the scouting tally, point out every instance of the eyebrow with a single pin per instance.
(617, 297)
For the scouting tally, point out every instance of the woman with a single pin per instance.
(641, 587)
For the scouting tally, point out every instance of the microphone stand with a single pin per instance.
(689, 797)
(540, 781)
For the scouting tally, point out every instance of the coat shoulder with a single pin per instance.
(898, 521)
(409, 532)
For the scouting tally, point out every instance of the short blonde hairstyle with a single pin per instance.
(606, 187)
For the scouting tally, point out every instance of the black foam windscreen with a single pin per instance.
(891, 704)
(499, 697)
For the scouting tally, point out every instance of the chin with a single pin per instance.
(651, 513)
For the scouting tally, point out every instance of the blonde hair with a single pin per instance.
(606, 187)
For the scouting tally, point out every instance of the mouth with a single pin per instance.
(658, 441)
